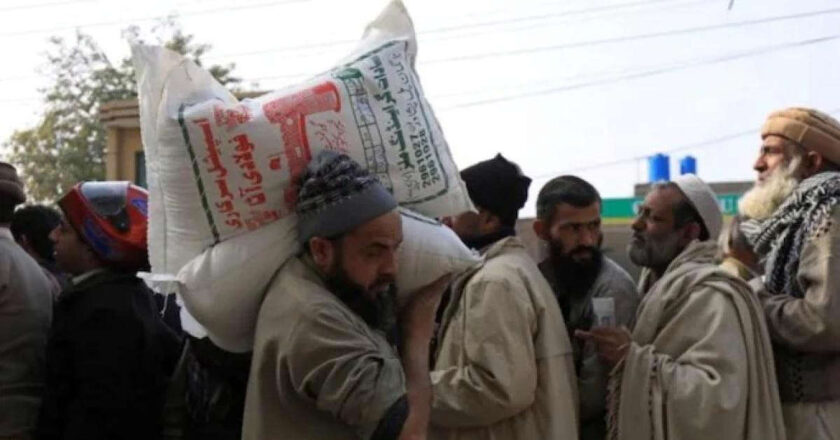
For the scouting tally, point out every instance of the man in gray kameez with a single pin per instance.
(569, 222)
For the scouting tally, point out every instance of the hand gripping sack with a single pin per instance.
(220, 169)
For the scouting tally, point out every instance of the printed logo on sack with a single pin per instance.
(97, 238)
(142, 205)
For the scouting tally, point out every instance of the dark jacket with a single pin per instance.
(109, 357)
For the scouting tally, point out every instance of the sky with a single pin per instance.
(585, 87)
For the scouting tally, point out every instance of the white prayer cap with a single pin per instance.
(704, 201)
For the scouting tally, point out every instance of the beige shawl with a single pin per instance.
(700, 365)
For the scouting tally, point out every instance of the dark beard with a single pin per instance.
(577, 277)
(379, 314)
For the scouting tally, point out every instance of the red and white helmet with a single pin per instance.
(112, 218)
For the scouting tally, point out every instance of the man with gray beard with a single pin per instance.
(698, 364)
(796, 232)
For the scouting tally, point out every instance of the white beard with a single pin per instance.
(763, 199)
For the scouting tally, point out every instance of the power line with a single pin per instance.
(43, 5)
(621, 76)
(646, 73)
(588, 43)
(543, 25)
(347, 42)
(445, 29)
(692, 146)
(338, 43)
(462, 58)
(151, 18)
(637, 37)
(542, 16)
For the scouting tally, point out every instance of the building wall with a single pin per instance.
(124, 144)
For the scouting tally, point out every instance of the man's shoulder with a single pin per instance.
(295, 296)
(513, 262)
(613, 280)
(108, 289)
(710, 282)
(14, 261)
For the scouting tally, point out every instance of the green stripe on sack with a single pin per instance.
(197, 174)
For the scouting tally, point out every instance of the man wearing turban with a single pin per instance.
(795, 205)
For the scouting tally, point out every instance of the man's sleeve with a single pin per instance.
(346, 374)
(495, 375)
(694, 381)
(592, 377)
(810, 323)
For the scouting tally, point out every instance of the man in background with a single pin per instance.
(569, 222)
(26, 303)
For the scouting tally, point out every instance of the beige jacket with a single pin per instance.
(503, 368)
(26, 305)
(806, 331)
(318, 371)
(700, 365)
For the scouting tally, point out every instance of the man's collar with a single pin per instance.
(87, 275)
(6, 233)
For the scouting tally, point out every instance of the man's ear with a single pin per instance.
(813, 163)
(691, 232)
(490, 222)
(322, 251)
(541, 229)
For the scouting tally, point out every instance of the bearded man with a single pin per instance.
(797, 233)
(503, 366)
(698, 364)
(569, 222)
(325, 364)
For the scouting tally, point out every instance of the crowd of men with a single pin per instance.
(732, 331)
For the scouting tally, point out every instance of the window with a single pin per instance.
(140, 168)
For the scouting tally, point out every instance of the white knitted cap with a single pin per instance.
(704, 201)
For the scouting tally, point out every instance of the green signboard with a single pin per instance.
(625, 208)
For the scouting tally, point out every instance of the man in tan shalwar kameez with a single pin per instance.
(698, 364)
(796, 207)
(503, 368)
(324, 364)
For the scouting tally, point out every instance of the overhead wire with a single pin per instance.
(716, 141)
(150, 18)
(43, 5)
(616, 78)
(647, 73)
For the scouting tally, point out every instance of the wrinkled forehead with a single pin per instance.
(662, 199)
(565, 213)
(776, 141)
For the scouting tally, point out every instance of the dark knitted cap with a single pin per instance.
(11, 188)
(498, 186)
(337, 195)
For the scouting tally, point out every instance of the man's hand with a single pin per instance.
(612, 342)
(418, 316)
(418, 324)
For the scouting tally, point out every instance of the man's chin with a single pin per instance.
(583, 260)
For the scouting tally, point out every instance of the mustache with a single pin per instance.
(581, 249)
(383, 282)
